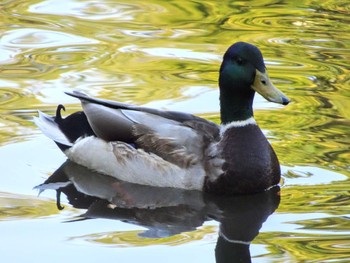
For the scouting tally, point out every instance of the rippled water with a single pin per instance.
(166, 54)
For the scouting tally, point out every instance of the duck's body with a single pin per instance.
(174, 149)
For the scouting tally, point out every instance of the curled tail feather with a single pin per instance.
(64, 132)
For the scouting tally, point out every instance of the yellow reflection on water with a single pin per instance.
(135, 239)
(16, 207)
(167, 54)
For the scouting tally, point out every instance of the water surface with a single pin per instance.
(166, 54)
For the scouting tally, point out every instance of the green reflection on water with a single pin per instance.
(157, 51)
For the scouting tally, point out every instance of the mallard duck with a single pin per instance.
(176, 149)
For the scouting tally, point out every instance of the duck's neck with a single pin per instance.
(235, 106)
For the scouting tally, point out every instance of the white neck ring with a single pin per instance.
(237, 124)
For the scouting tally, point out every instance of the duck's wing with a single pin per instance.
(171, 115)
(175, 136)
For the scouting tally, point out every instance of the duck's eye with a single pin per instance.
(239, 61)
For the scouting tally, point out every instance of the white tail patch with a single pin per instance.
(50, 128)
(237, 124)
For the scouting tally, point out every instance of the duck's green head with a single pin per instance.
(242, 73)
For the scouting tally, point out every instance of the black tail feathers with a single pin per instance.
(64, 131)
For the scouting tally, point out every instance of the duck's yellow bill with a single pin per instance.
(263, 85)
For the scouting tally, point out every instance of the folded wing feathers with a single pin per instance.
(209, 130)
(179, 138)
(125, 153)
(166, 147)
(182, 144)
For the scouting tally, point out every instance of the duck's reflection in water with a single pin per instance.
(167, 211)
